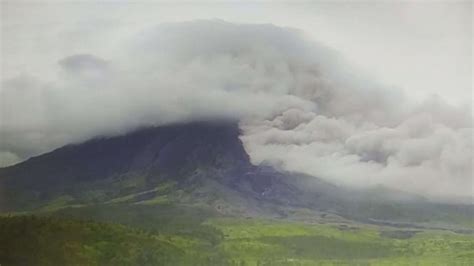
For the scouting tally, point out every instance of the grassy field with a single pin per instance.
(167, 234)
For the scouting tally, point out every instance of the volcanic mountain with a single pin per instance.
(196, 164)
(108, 167)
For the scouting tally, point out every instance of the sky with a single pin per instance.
(359, 93)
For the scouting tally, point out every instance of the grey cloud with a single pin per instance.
(82, 62)
(419, 154)
(301, 107)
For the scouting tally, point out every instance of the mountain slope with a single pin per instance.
(181, 153)
(199, 164)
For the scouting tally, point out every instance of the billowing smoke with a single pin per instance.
(301, 108)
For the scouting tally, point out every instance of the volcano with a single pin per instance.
(183, 154)
(200, 163)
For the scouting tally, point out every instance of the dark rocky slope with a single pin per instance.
(159, 154)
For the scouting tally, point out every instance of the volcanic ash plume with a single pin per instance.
(301, 107)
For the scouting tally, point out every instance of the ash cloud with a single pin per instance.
(301, 107)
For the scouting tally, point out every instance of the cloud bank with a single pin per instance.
(301, 107)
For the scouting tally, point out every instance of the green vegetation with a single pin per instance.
(129, 221)
(278, 242)
(30, 240)
(173, 234)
